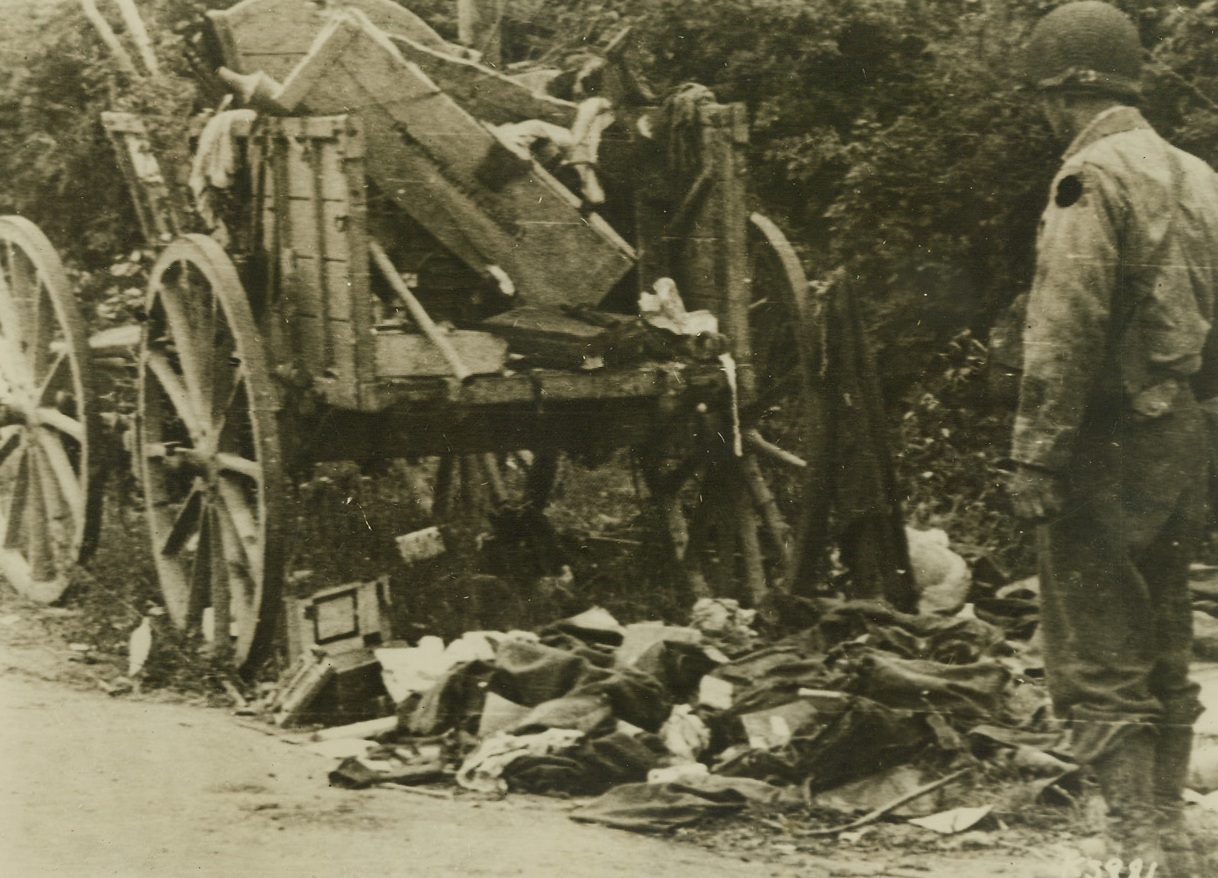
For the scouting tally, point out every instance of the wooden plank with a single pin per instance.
(334, 180)
(407, 354)
(447, 170)
(157, 212)
(273, 35)
(314, 231)
(485, 93)
(549, 337)
(305, 684)
(364, 307)
(307, 237)
(725, 128)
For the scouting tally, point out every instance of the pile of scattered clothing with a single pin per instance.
(667, 724)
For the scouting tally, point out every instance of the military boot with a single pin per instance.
(1173, 746)
(1126, 775)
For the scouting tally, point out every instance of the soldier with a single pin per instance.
(1109, 442)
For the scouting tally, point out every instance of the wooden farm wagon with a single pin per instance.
(410, 270)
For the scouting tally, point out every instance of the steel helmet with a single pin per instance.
(1085, 46)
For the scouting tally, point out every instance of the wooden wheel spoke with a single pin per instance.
(55, 503)
(57, 376)
(241, 529)
(228, 462)
(219, 583)
(227, 384)
(200, 593)
(18, 505)
(42, 332)
(240, 513)
(38, 524)
(205, 347)
(13, 365)
(176, 298)
(158, 365)
(223, 415)
(186, 525)
(11, 444)
(67, 479)
(57, 420)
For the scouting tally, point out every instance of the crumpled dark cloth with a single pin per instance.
(643, 807)
(963, 694)
(867, 738)
(583, 713)
(950, 640)
(454, 702)
(530, 673)
(678, 667)
(635, 697)
(354, 774)
(593, 767)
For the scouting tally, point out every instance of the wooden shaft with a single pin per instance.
(139, 33)
(755, 440)
(418, 313)
(121, 57)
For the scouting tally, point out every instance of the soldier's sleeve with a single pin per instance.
(1069, 309)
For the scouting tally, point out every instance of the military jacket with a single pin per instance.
(1123, 298)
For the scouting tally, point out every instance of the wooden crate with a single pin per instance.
(500, 213)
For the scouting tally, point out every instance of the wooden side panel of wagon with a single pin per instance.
(273, 35)
(313, 224)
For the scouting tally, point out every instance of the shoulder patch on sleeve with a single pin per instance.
(1069, 190)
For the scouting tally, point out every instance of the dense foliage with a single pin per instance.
(888, 134)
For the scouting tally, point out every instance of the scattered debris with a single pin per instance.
(941, 577)
(888, 808)
(878, 790)
(725, 623)
(951, 822)
(870, 713)
(366, 729)
(304, 683)
(240, 702)
(341, 748)
(139, 647)
(421, 545)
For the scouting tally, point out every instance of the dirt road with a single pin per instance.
(95, 786)
(99, 787)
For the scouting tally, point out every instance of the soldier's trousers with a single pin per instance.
(1116, 615)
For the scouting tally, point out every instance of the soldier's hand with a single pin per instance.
(1036, 494)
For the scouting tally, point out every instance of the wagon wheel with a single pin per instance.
(753, 517)
(50, 505)
(208, 444)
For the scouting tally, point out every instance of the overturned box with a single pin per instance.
(340, 618)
